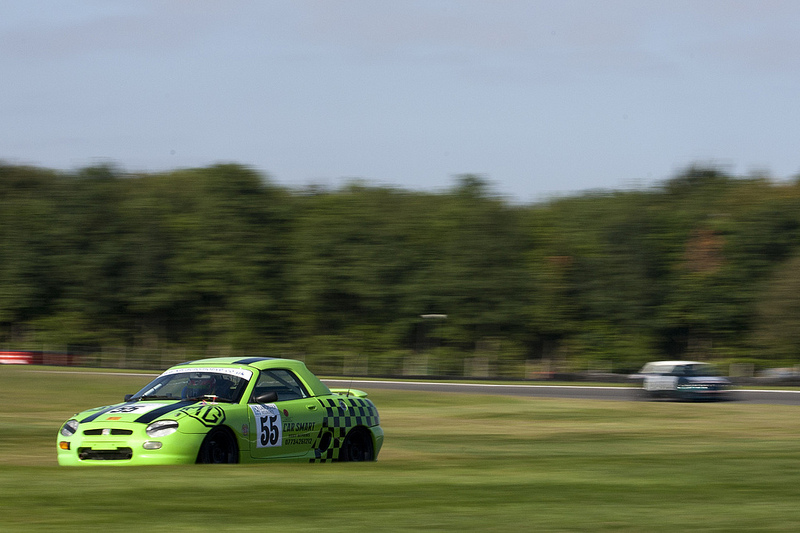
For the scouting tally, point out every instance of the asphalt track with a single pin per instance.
(585, 392)
(777, 397)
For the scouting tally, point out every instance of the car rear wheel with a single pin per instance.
(218, 447)
(357, 446)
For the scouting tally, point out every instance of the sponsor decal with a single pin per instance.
(238, 372)
(268, 425)
(297, 441)
(138, 408)
(208, 415)
(298, 426)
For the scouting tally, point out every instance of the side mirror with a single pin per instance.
(267, 397)
(128, 397)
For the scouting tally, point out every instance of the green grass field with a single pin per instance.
(451, 462)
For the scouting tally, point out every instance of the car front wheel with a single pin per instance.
(218, 447)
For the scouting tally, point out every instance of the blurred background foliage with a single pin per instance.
(367, 279)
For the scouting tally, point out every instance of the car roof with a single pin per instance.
(265, 363)
(661, 366)
(257, 362)
(678, 362)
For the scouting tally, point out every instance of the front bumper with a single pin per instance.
(377, 439)
(700, 392)
(125, 444)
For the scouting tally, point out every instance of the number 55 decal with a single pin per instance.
(268, 425)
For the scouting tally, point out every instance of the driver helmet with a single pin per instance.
(200, 386)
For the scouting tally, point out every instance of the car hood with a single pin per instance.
(144, 412)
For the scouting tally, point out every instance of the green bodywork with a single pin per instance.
(311, 428)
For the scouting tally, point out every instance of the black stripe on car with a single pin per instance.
(155, 413)
(251, 360)
(92, 417)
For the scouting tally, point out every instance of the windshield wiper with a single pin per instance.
(154, 397)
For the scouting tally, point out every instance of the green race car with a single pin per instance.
(226, 410)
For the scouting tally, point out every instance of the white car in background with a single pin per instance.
(683, 380)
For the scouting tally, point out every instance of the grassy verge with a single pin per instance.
(451, 462)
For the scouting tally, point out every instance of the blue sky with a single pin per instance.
(541, 98)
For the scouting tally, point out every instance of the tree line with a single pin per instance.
(222, 260)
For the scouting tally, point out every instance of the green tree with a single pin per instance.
(777, 331)
(28, 212)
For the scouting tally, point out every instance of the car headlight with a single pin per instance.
(69, 428)
(161, 428)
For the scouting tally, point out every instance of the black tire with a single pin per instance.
(641, 394)
(357, 447)
(219, 447)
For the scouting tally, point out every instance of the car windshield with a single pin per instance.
(682, 369)
(697, 370)
(219, 384)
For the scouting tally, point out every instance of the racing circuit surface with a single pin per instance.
(583, 392)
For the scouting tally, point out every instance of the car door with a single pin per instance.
(288, 422)
(663, 379)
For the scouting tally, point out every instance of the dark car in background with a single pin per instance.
(683, 380)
